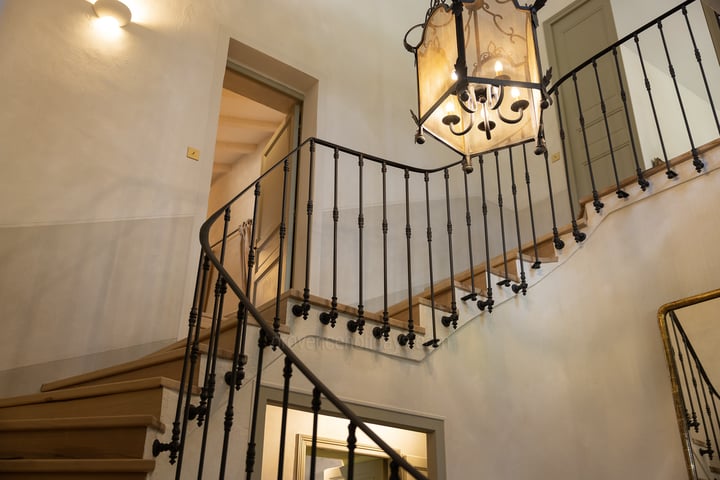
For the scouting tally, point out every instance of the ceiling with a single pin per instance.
(250, 113)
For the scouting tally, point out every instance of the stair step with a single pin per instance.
(69, 469)
(400, 310)
(121, 398)
(167, 364)
(80, 437)
(229, 324)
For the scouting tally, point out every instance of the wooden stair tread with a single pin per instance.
(229, 322)
(82, 423)
(74, 465)
(417, 300)
(92, 391)
(148, 361)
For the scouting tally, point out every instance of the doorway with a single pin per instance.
(258, 125)
(419, 439)
(575, 34)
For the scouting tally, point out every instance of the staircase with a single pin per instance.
(102, 424)
(119, 422)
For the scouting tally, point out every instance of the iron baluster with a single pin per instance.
(559, 244)
(536, 264)
(642, 182)
(522, 286)
(668, 171)
(697, 397)
(434, 340)
(692, 421)
(489, 302)
(236, 375)
(316, 404)
(384, 330)
(194, 356)
(713, 394)
(351, 444)
(409, 338)
(287, 373)
(468, 220)
(304, 308)
(281, 250)
(619, 192)
(220, 290)
(394, 471)
(699, 165)
(698, 57)
(708, 411)
(452, 319)
(506, 281)
(577, 234)
(203, 409)
(596, 198)
(358, 324)
(251, 450)
(173, 445)
(331, 316)
(242, 359)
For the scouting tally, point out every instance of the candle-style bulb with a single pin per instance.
(498, 67)
(515, 93)
(454, 76)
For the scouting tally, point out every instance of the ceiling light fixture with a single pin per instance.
(478, 75)
(113, 10)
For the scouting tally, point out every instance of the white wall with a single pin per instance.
(100, 206)
(95, 129)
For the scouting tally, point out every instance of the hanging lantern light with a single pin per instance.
(478, 75)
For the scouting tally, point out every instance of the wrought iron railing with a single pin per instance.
(634, 48)
(696, 398)
(373, 206)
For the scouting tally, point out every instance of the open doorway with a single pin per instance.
(419, 439)
(258, 125)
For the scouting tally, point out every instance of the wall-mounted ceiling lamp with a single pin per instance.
(113, 11)
(478, 74)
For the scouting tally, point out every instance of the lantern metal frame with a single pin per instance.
(481, 95)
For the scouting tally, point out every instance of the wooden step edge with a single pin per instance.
(587, 200)
(144, 362)
(500, 272)
(127, 367)
(100, 465)
(467, 286)
(229, 321)
(438, 306)
(82, 423)
(402, 307)
(374, 317)
(93, 391)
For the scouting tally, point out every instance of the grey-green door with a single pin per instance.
(575, 34)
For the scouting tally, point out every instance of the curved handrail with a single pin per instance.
(687, 302)
(340, 148)
(663, 312)
(610, 48)
(275, 339)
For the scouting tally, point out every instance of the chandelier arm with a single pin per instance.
(465, 107)
(511, 121)
(464, 132)
(501, 97)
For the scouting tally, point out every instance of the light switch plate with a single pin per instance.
(193, 153)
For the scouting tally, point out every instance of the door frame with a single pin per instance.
(551, 50)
